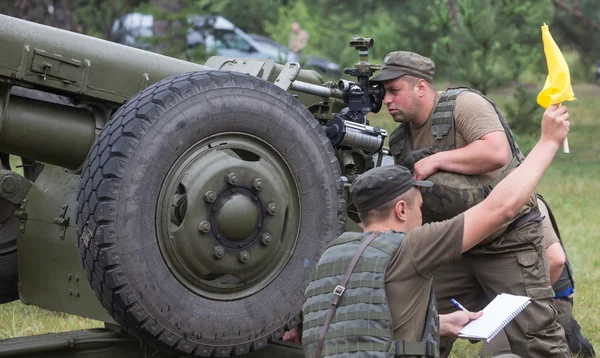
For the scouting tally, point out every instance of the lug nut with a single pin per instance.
(244, 256)
(204, 226)
(271, 209)
(257, 184)
(231, 178)
(210, 196)
(9, 184)
(265, 239)
(218, 252)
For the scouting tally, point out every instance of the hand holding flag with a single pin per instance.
(557, 88)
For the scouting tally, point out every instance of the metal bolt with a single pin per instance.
(265, 239)
(271, 209)
(210, 196)
(9, 184)
(218, 252)
(244, 256)
(204, 226)
(257, 184)
(231, 178)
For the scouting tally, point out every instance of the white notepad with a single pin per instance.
(495, 317)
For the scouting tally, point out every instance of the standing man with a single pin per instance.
(461, 131)
(297, 39)
(370, 294)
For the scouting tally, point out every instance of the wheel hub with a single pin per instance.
(236, 216)
(228, 216)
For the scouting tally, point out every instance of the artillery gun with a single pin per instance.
(181, 204)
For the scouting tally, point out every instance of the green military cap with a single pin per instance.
(381, 185)
(399, 63)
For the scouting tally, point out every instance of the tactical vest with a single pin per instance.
(565, 285)
(452, 193)
(362, 325)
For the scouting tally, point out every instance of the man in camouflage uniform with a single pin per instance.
(370, 293)
(461, 131)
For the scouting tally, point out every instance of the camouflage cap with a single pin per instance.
(400, 63)
(381, 185)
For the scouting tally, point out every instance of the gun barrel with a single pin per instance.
(317, 90)
(71, 63)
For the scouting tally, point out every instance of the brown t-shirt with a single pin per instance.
(410, 272)
(474, 118)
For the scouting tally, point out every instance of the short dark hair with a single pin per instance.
(383, 211)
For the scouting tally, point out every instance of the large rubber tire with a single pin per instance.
(117, 218)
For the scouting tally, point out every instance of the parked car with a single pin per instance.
(217, 34)
(320, 64)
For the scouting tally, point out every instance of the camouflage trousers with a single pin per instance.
(500, 344)
(515, 263)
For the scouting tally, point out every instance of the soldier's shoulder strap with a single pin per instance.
(347, 237)
(443, 117)
(516, 152)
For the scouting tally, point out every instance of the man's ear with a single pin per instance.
(421, 87)
(400, 210)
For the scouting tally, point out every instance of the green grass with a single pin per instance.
(18, 320)
(570, 185)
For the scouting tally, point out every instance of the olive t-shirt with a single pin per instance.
(474, 118)
(410, 271)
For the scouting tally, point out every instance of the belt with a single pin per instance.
(531, 215)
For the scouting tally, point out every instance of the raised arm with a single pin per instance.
(511, 194)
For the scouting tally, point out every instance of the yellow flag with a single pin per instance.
(557, 88)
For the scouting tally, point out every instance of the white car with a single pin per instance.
(217, 34)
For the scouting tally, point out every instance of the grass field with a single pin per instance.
(570, 185)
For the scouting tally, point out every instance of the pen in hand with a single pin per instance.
(458, 305)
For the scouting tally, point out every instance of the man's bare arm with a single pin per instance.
(511, 194)
(556, 261)
(488, 153)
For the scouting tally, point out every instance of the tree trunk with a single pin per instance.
(577, 14)
(172, 33)
(63, 14)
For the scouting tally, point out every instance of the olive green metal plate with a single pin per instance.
(51, 274)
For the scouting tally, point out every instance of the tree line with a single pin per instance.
(486, 44)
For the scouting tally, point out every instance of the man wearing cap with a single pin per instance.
(370, 293)
(461, 131)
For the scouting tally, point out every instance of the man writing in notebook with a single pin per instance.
(371, 293)
(461, 131)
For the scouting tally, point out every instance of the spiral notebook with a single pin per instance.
(495, 317)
